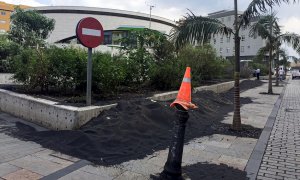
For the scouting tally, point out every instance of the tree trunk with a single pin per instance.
(270, 91)
(236, 123)
(277, 67)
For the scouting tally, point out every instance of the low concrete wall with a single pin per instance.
(217, 88)
(60, 117)
(47, 113)
(6, 78)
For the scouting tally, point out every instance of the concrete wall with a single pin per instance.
(60, 117)
(47, 113)
(217, 88)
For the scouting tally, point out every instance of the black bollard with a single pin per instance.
(172, 168)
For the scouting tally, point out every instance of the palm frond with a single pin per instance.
(263, 26)
(291, 39)
(256, 7)
(197, 29)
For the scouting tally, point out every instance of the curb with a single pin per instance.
(257, 154)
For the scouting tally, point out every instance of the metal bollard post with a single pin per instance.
(172, 168)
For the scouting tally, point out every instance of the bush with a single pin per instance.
(8, 49)
(166, 75)
(61, 68)
(203, 61)
(108, 73)
(263, 68)
(67, 68)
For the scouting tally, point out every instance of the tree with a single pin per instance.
(8, 50)
(29, 28)
(197, 29)
(267, 27)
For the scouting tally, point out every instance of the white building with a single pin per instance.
(114, 22)
(225, 45)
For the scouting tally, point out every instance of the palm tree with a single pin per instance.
(267, 27)
(197, 29)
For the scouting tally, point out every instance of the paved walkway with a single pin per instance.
(28, 160)
(282, 156)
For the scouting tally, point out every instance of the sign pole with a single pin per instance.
(89, 78)
(90, 34)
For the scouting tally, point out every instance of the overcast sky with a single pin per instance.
(174, 9)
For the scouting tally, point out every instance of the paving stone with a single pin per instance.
(127, 175)
(6, 168)
(105, 172)
(48, 155)
(81, 175)
(280, 158)
(196, 156)
(37, 165)
(233, 161)
(141, 167)
(22, 174)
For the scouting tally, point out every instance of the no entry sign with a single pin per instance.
(89, 32)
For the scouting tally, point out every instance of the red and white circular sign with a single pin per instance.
(89, 32)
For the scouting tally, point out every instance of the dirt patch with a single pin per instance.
(136, 128)
(205, 171)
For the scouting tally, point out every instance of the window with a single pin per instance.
(3, 13)
(228, 39)
(221, 50)
(227, 50)
(215, 41)
(2, 21)
(243, 37)
(242, 48)
(248, 47)
(221, 40)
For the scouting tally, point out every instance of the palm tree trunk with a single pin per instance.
(270, 91)
(236, 123)
(277, 67)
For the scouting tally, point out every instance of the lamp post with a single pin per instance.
(151, 7)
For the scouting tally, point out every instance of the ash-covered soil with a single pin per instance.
(136, 128)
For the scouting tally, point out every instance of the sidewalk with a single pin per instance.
(282, 155)
(28, 160)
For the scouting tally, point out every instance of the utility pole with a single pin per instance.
(151, 7)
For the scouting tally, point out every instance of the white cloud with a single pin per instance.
(291, 24)
(27, 2)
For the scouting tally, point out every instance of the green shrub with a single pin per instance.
(166, 75)
(203, 61)
(263, 68)
(8, 49)
(108, 73)
(31, 68)
(67, 68)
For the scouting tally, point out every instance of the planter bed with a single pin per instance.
(53, 115)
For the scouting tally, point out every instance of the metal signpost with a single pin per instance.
(89, 32)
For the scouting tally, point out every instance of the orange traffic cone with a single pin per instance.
(184, 96)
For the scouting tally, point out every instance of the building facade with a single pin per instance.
(5, 12)
(115, 22)
(225, 45)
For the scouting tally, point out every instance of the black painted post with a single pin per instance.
(172, 168)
